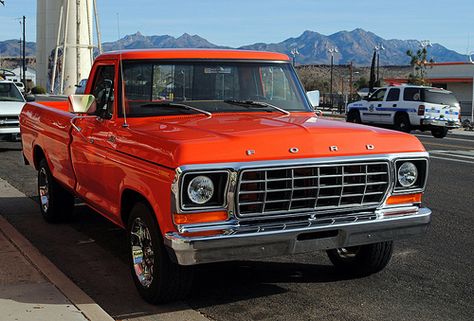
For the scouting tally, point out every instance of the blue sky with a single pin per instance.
(236, 23)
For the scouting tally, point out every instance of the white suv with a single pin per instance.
(409, 107)
(11, 103)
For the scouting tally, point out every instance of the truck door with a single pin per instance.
(389, 106)
(372, 114)
(89, 147)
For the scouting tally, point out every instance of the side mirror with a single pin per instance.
(313, 97)
(82, 104)
(30, 98)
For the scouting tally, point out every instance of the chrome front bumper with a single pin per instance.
(187, 250)
(441, 123)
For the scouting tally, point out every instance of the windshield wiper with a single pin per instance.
(255, 104)
(173, 104)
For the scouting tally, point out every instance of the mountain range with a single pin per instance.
(356, 45)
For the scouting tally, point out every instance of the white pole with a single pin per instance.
(97, 27)
(58, 39)
(472, 103)
(64, 46)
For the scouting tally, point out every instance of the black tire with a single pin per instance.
(402, 123)
(439, 132)
(56, 203)
(157, 278)
(354, 117)
(362, 260)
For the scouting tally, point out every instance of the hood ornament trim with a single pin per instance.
(294, 150)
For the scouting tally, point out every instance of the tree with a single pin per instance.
(419, 61)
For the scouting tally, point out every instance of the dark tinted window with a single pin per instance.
(393, 94)
(103, 90)
(412, 94)
(436, 96)
(9, 92)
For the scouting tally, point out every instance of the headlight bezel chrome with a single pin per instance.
(419, 185)
(220, 180)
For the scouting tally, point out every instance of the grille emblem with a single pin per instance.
(294, 150)
(370, 147)
(333, 148)
(250, 152)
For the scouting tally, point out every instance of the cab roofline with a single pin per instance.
(172, 54)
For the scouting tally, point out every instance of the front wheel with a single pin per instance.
(354, 117)
(156, 277)
(362, 260)
(439, 132)
(402, 123)
(56, 203)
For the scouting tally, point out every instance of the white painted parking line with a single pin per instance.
(448, 138)
(455, 153)
(452, 159)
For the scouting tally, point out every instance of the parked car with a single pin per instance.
(217, 155)
(81, 86)
(409, 107)
(11, 103)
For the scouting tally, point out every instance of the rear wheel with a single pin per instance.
(354, 117)
(362, 260)
(439, 132)
(402, 123)
(156, 277)
(56, 203)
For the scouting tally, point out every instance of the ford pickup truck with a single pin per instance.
(217, 155)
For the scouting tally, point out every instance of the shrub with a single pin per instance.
(38, 90)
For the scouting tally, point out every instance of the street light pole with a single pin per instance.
(294, 53)
(377, 50)
(24, 53)
(332, 51)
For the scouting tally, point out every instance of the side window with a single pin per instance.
(393, 94)
(103, 91)
(378, 95)
(412, 94)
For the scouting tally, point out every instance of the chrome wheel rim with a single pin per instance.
(142, 252)
(348, 253)
(43, 189)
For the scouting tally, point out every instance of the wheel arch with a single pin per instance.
(38, 155)
(128, 199)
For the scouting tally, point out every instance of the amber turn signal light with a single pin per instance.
(205, 217)
(404, 199)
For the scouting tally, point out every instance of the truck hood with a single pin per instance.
(11, 107)
(245, 137)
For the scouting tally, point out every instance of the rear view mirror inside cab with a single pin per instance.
(82, 104)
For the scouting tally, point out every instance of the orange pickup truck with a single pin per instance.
(217, 155)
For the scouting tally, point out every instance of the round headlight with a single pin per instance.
(200, 189)
(407, 174)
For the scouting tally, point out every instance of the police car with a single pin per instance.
(409, 107)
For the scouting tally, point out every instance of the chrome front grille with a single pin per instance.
(325, 188)
(9, 121)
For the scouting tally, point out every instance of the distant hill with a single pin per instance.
(11, 48)
(356, 45)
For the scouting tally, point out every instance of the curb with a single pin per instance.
(79, 298)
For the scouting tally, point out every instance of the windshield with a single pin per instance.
(155, 88)
(439, 97)
(9, 92)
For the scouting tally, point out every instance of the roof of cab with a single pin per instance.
(172, 54)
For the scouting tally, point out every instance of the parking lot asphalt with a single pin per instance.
(429, 278)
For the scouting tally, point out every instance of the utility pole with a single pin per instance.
(24, 53)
